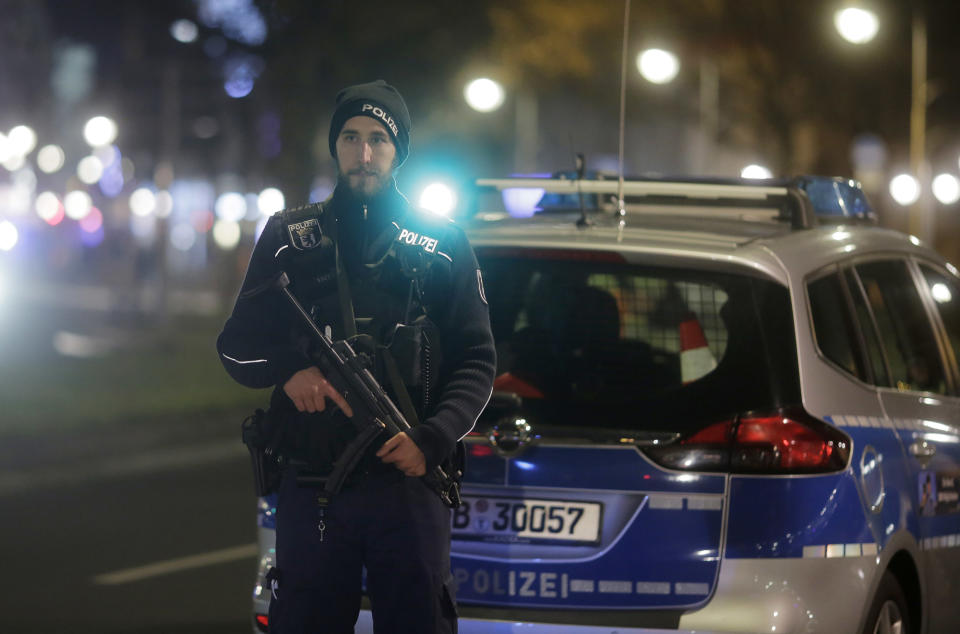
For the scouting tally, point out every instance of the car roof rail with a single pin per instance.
(802, 201)
(779, 201)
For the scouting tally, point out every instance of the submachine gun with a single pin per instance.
(373, 411)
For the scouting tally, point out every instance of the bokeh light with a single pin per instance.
(240, 20)
(183, 237)
(92, 221)
(184, 31)
(226, 233)
(5, 151)
(521, 202)
(164, 204)
(22, 140)
(946, 188)
(48, 206)
(658, 66)
(8, 235)
(100, 131)
(484, 94)
(438, 198)
(77, 204)
(92, 238)
(905, 189)
(240, 74)
(142, 202)
(231, 206)
(14, 162)
(15, 198)
(270, 201)
(941, 293)
(856, 25)
(89, 170)
(755, 171)
(50, 159)
(202, 220)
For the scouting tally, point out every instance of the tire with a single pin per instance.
(889, 613)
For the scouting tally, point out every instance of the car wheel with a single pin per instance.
(889, 613)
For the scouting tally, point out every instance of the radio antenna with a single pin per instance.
(621, 208)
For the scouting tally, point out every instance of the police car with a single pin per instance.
(720, 407)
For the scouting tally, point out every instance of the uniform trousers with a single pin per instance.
(389, 524)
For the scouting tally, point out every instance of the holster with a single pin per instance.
(261, 436)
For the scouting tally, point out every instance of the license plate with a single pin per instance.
(526, 520)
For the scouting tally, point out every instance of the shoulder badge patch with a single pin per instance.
(413, 238)
(304, 235)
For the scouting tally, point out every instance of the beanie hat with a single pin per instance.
(377, 100)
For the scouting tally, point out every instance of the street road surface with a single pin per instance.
(133, 529)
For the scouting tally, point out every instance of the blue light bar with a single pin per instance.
(837, 197)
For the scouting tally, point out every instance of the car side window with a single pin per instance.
(833, 326)
(870, 338)
(904, 328)
(946, 295)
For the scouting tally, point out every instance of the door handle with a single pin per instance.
(922, 449)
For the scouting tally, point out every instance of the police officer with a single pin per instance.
(404, 288)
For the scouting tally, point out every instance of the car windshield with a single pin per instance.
(585, 338)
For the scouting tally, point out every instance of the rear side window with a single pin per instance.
(946, 295)
(904, 328)
(868, 328)
(832, 324)
(606, 343)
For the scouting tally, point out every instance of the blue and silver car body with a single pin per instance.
(719, 408)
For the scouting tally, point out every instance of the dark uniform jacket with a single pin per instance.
(263, 344)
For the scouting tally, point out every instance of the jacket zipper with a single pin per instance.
(363, 247)
(426, 376)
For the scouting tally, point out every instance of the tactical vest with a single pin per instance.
(387, 308)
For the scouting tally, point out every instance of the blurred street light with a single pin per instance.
(8, 235)
(658, 66)
(183, 237)
(164, 204)
(270, 201)
(100, 131)
(231, 206)
(226, 233)
(921, 218)
(50, 158)
(89, 170)
(47, 206)
(946, 188)
(142, 202)
(856, 25)
(14, 162)
(77, 204)
(755, 171)
(22, 139)
(484, 95)
(438, 198)
(905, 189)
(184, 31)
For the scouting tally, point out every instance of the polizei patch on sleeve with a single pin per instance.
(413, 238)
(304, 235)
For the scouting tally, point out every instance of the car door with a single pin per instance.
(920, 403)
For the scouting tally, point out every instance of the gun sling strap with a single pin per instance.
(349, 321)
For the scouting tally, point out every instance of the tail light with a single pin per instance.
(262, 623)
(782, 442)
